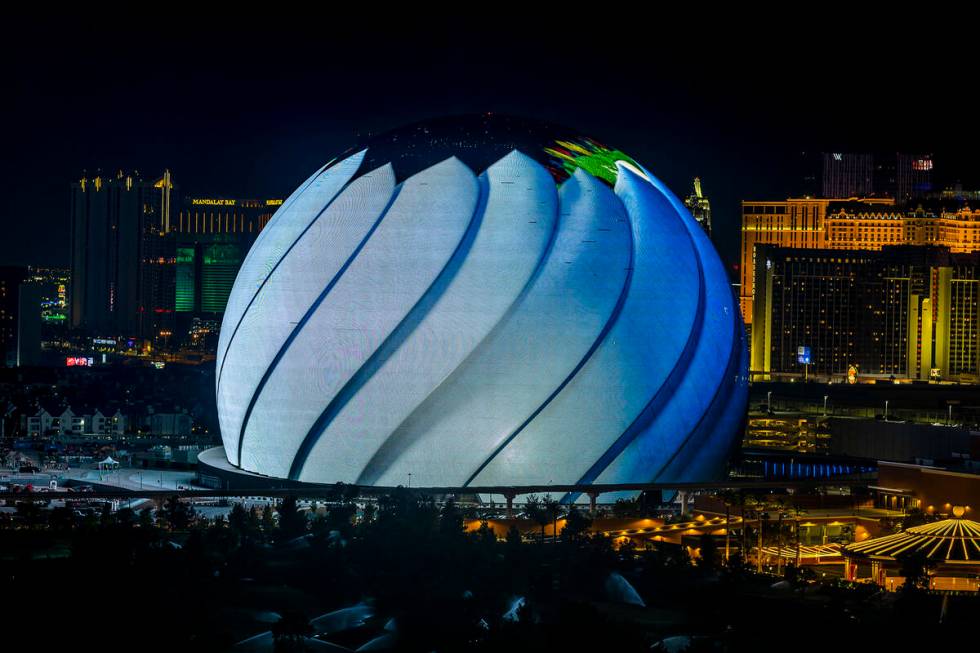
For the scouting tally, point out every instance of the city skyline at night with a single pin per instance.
(622, 328)
(251, 123)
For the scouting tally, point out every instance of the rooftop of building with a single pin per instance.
(925, 255)
(954, 541)
(830, 201)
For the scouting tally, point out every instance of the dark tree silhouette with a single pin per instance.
(485, 534)
(535, 510)
(146, 519)
(553, 509)
(238, 518)
(914, 567)
(709, 552)
(450, 519)
(513, 538)
(177, 514)
(625, 508)
(292, 521)
(576, 524)
(268, 522)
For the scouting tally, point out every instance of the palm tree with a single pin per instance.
(292, 522)
(751, 508)
(553, 509)
(535, 511)
(268, 522)
(709, 552)
(576, 525)
(778, 504)
(915, 568)
(729, 498)
(797, 511)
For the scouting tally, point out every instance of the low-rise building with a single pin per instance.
(67, 422)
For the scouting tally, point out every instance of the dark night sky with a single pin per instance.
(250, 110)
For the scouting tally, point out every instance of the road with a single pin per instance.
(125, 478)
(135, 479)
(149, 483)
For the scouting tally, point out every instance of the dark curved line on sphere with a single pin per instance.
(394, 341)
(272, 271)
(663, 393)
(734, 413)
(739, 387)
(539, 267)
(738, 351)
(715, 406)
(606, 328)
(306, 316)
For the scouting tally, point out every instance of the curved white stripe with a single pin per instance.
(629, 366)
(295, 215)
(706, 373)
(514, 232)
(398, 263)
(529, 354)
(291, 290)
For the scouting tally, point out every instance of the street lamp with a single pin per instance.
(410, 479)
(825, 405)
(763, 516)
(886, 410)
(769, 401)
(779, 544)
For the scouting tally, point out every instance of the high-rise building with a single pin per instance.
(206, 271)
(122, 264)
(236, 217)
(900, 176)
(699, 206)
(899, 312)
(29, 324)
(799, 222)
(906, 177)
(847, 175)
(865, 224)
(212, 237)
(10, 279)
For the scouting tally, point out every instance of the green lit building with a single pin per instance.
(212, 237)
(206, 270)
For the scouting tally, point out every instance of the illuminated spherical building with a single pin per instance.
(481, 301)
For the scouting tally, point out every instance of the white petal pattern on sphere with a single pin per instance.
(280, 235)
(481, 331)
(316, 261)
(403, 256)
(510, 239)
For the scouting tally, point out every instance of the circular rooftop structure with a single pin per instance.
(947, 542)
(482, 301)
